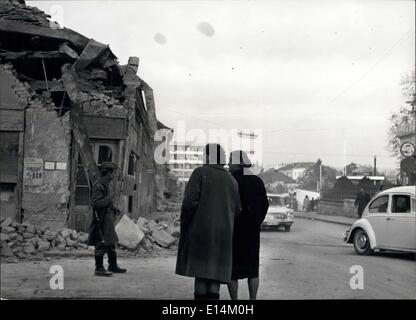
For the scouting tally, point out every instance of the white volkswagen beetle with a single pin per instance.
(388, 223)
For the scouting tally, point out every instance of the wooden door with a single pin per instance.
(81, 210)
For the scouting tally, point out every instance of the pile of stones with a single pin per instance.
(22, 240)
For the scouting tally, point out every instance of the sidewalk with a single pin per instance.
(347, 221)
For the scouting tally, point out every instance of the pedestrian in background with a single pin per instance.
(246, 238)
(102, 233)
(209, 207)
(306, 203)
(313, 204)
(361, 201)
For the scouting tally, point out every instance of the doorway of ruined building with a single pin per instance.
(11, 168)
(80, 207)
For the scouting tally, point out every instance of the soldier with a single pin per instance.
(102, 230)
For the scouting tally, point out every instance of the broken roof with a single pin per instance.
(35, 28)
(272, 175)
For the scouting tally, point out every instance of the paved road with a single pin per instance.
(309, 262)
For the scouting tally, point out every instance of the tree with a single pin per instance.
(310, 179)
(351, 168)
(405, 113)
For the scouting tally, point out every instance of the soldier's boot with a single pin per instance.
(112, 262)
(99, 267)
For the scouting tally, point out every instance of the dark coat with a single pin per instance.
(102, 203)
(246, 241)
(209, 207)
(361, 200)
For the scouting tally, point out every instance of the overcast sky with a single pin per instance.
(315, 76)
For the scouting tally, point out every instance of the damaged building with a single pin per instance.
(67, 105)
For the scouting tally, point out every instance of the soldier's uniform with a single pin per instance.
(102, 233)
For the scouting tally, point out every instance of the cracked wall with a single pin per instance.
(47, 139)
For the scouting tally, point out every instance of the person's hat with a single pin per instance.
(240, 158)
(107, 165)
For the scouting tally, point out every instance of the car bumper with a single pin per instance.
(277, 223)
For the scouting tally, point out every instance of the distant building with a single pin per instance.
(375, 180)
(185, 158)
(276, 181)
(295, 170)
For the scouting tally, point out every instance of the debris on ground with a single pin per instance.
(20, 241)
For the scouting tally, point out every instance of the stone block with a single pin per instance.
(13, 236)
(28, 235)
(65, 233)
(60, 239)
(29, 248)
(71, 243)
(141, 223)
(129, 234)
(43, 245)
(4, 237)
(15, 250)
(50, 235)
(6, 251)
(30, 229)
(163, 238)
(83, 237)
(152, 225)
(21, 255)
(8, 230)
(174, 231)
(34, 241)
(146, 244)
(6, 222)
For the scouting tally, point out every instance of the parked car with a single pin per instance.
(279, 214)
(388, 223)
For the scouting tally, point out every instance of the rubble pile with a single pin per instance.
(25, 240)
(168, 206)
(162, 232)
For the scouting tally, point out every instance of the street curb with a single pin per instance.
(325, 220)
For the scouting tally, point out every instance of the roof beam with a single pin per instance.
(78, 40)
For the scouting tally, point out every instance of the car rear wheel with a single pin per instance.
(287, 228)
(362, 243)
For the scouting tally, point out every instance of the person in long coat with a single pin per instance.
(210, 205)
(306, 203)
(246, 239)
(102, 233)
(361, 201)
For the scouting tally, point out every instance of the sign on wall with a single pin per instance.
(49, 165)
(33, 172)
